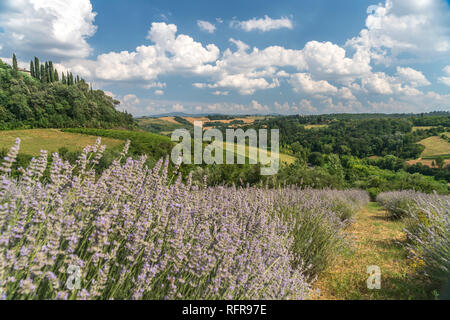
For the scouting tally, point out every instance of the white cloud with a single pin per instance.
(303, 107)
(419, 28)
(413, 77)
(446, 79)
(131, 99)
(264, 24)
(178, 107)
(220, 93)
(302, 82)
(170, 53)
(159, 92)
(109, 93)
(55, 28)
(206, 26)
(378, 83)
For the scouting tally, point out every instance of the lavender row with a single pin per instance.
(133, 233)
(427, 229)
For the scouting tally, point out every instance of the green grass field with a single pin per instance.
(435, 146)
(284, 158)
(378, 241)
(34, 140)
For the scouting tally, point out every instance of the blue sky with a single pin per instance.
(243, 57)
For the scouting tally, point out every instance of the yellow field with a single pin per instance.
(434, 146)
(284, 158)
(34, 140)
(315, 126)
(422, 128)
(246, 120)
(427, 162)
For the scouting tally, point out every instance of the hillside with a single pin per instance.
(26, 102)
(35, 140)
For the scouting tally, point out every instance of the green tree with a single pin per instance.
(42, 74)
(37, 67)
(32, 71)
(47, 77)
(55, 76)
(51, 72)
(440, 162)
(14, 61)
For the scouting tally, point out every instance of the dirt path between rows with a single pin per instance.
(376, 240)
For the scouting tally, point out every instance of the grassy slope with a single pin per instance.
(434, 146)
(33, 140)
(284, 158)
(377, 241)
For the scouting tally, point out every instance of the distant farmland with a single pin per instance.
(435, 146)
(34, 140)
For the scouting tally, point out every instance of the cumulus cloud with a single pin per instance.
(170, 53)
(131, 99)
(413, 77)
(159, 92)
(445, 79)
(263, 24)
(419, 28)
(302, 82)
(206, 26)
(55, 28)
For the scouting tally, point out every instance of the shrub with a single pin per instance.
(427, 229)
(320, 218)
(429, 234)
(398, 203)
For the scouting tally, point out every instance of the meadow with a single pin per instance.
(35, 140)
(435, 146)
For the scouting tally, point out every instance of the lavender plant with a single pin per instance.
(321, 217)
(427, 229)
(135, 233)
(398, 203)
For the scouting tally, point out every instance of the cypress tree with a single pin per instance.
(37, 68)
(14, 62)
(32, 71)
(46, 72)
(43, 74)
(63, 78)
(51, 71)
(55, 76)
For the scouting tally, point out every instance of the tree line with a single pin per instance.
(46, 72)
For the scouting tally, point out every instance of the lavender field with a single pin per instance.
(427, 230)
(135, 233)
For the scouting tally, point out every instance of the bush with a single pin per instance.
(320, 219)
(427, 230)
(429, 234)
(398, 203)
